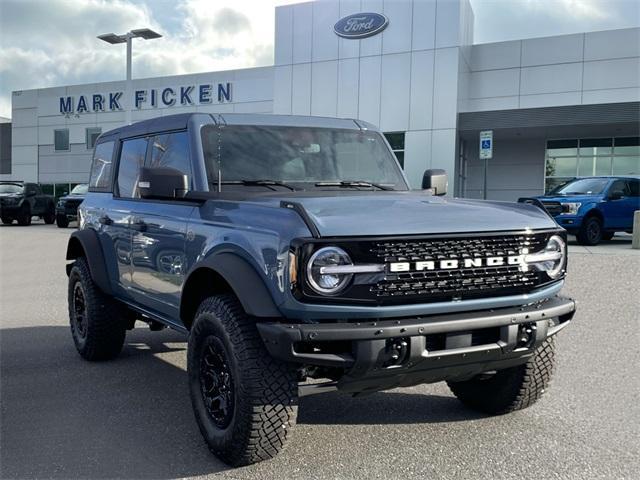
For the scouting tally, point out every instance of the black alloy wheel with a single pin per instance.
(79, 310)
(590, 232)
(216, 382)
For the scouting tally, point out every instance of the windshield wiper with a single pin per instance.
(262, 183)
(352, 183)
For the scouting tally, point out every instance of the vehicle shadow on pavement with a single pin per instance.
(63, 417)
(392, 407)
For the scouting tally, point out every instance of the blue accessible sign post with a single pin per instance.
(486, 153)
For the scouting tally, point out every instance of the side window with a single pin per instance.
(634, 188)
(619, 186)
(132, 158)
(102, 167)
(171, 150)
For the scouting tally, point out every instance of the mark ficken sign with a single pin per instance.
(203, 94)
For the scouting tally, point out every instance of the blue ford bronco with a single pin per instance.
(292, 253)
(595, 208)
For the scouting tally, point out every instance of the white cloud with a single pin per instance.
(585, 9)
(53, 42)
(45, 43)
(499, 20)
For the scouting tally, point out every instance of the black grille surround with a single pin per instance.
(429, 286)
(554, 208)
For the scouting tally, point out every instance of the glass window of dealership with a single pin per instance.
(587, 157)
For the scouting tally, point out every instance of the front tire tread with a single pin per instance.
(266, 398)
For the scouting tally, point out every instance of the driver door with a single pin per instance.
(618, 212)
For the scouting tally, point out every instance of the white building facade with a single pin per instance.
(558, 106)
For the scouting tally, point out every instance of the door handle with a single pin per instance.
(105, 220)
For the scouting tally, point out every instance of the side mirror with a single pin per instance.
(616, 195)
(436, 180)
(162, 182)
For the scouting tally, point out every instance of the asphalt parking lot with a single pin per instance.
(62, 417)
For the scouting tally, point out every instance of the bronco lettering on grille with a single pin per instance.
(453, 264)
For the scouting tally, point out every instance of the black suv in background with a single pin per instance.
(22, 200)
(67, 207)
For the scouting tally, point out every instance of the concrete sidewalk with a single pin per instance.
(620, 244)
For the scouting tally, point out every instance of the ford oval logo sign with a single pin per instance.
(360, 25)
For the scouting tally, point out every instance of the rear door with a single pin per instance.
(159, 232)
(117, 218)
(103, 215)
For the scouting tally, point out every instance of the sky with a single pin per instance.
(46, 43)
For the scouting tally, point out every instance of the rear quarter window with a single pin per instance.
(102, 167)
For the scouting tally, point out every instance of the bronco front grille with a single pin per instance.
(456, 283)
(440, 284)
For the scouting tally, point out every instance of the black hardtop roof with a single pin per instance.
(157, 124)
(181, 120)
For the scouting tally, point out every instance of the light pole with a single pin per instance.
(127, 38)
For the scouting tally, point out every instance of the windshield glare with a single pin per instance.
(10, 188)
(299, 155)
(80, 189)
(583, 186)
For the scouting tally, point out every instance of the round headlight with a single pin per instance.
(328, 283)
(555, 268)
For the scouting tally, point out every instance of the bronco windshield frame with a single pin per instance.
(306, 158)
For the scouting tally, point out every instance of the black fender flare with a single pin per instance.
(245, 282)
(85, 243)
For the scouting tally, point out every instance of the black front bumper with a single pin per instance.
(70, 212)
(10, 210)
(377, 355)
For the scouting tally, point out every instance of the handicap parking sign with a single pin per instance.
(486, 144)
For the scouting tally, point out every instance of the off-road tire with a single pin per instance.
(101, 334)
(7, 220)
(49, 216)
(511, 389)
(590, 232)
(62, 221)
(264, 389)
(24, 217)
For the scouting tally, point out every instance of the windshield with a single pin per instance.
(10, 188)
(302, 156)
(583, 186)
(80, 189)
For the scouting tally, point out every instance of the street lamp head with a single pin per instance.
(145, 33)
(112, 38)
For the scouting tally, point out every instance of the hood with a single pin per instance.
(411, 213)
(570, 198)
(72, 197)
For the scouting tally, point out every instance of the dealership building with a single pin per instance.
(558, 107)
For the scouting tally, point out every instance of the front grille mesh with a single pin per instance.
(554, 208)
(438, 285)
(72, 203)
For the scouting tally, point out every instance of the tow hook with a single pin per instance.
(397, 350)
(526, 335)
